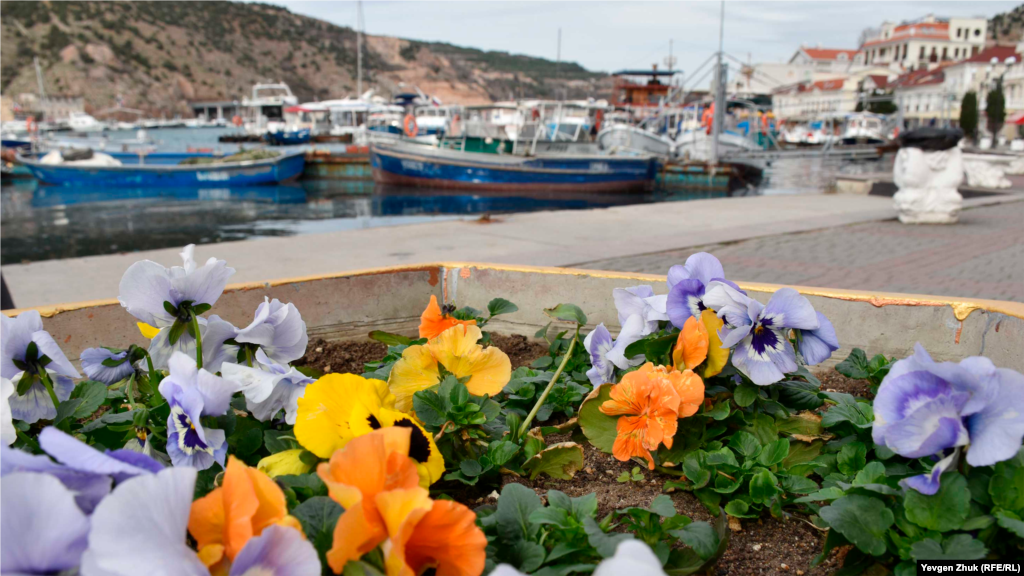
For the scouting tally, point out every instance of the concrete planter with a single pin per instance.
(348, 305)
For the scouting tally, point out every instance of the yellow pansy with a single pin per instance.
(284, 463)
(718, 357)
(422, 449)
(148, 332)
(325, 409)
(457, 350)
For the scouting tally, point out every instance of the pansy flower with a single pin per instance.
(8, 434)
(377, 484)
(434, 320)
(927, 408)
(640, 301)
(607, 354)
(269, 387)
(168, 298)
(698, 342)
(106, 365)
(278, 330)
(422, 449)
(687, 285)
(44, 531)
(246, 503)
(144, 522)
(323, 422)
(28, 355)
(817, 345)
(647, 404)
(457, 351)
(286, 463)
(191, 393)
(759, 333)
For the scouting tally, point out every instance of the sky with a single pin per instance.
(610, 36)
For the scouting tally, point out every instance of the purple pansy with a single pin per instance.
(277, 551)
(269, 387)
(44, 531)
(191, 393)
(606, 354)
(87, 488)
(640, 301)
(925, 408)
(95, 369)
(8, 434)
(147, 290)
(216, 347)
(759, 333)
(817, 345)
(26, 351)
(687, 284)
(278, 329)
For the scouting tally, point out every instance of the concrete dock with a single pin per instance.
(644, 237)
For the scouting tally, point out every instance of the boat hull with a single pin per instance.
(292, 138)
(624, 137)
(282, 169)
(459, 171)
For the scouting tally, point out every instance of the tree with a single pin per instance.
(995, 109)
(969, 115)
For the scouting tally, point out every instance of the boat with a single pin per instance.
(696, 145)
(864, 128)
(421, 166)
(83, 123)
(126, 173)
(627, 137)
(288, 138)
(264, 112)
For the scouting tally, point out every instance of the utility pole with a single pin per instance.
(359, 49)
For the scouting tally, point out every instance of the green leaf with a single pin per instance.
(852, 457)
(177, 329)
(201, 308)
(745, 395)
(802, 452)
(359, 568)
(855, 366)
(804, 423)
(515, 504)
(944, 511)
(280, 440)
(567, 313)
(739, 509)
(308, 485)
(1011, 522)
(700, 536)
(847, 409)
(799, 395)
(695, 469)
(543, 332)
(719, 412)
(25, 382)
(860, 519)
(499, 306)
(604, 543)
(763, 486)
(873, 473)
(662, 506)
(745, 443)
(599, 428)
(560, 461)
(797, 484)
(390, 339)
(66, 409)
(92, 394)
(956, 547)
(113, 362)
(823, 495)
(774, 453)
(318, 515)
(722, 457)
(1007, 484)
(470, 468)
(501, 451)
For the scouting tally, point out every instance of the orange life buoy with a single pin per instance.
(411, 128)
(30, 124)
(237, 120)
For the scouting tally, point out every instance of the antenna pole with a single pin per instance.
(720, 82)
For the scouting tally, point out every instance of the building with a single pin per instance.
(810, 100)
(925, 43)
(50, 108)
(824, 60)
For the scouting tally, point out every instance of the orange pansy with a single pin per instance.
(648, 405)
(366, 467)
(433, 321)
(692, 345)
(686, 383)
(426, 534)
(245, 504)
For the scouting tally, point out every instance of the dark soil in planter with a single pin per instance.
(761, 547)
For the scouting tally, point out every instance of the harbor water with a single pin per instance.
(39, 222)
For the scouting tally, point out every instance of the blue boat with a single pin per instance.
(288, 138)
(423, 166)
(150, 173)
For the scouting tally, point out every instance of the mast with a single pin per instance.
(39, 77)
(558, 59)
(359, 49)
(720, 82)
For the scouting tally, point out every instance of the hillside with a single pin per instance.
(160, 55)
(1007, 28)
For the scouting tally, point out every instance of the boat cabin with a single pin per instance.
(264, 112)
(641, 88)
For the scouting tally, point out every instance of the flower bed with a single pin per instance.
(193, 443)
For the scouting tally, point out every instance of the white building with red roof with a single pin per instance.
(824, 60)
(925, 43)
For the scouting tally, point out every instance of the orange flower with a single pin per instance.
(241, 508)
(424, 534)
(698, 341)
(687, 385)
(356, 474)
(433, 321)
(648, 405)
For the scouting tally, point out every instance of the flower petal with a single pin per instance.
(447, 538)
(8, 434)
(36, 404)
(998, 428)
(144, 288)
(632, 331)
(15, 336)
(928, 484)
(203, 285)
(215, 351)
(433, 322)
(88, 489)
(43, 529)
(92, 364)
(278, 551)
(816, 346)
(787, 308)
(416, 370)
(78, 455)
(728, 303)
(691, 348)
(59, 363)
(718, 352)
(631, 557)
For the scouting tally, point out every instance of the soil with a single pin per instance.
(763, 547)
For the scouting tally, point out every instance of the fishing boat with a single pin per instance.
(288, 137)
(134, 171)
(420, 166)
(627, 137)
(864, 128)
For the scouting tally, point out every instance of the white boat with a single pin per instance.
(696, 145)
(264, 112)
(84, 123)
(864, 128)
(619, 137)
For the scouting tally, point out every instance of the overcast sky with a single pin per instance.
(611, 36)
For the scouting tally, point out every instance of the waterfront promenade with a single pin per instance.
(846, 241)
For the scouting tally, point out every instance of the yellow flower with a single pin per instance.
(148, 332)
(457, 350)
(422, 449)
(718, 357)
(325, 410)
(286, 462)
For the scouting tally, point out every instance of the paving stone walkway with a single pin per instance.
(982, 257)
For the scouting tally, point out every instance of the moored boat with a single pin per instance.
(288, 137)
(438, 168)
(199, 171)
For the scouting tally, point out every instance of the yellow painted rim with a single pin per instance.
(962, 307)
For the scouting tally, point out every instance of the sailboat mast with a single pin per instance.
(39, 77)
(359, 49)
(720, 82)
